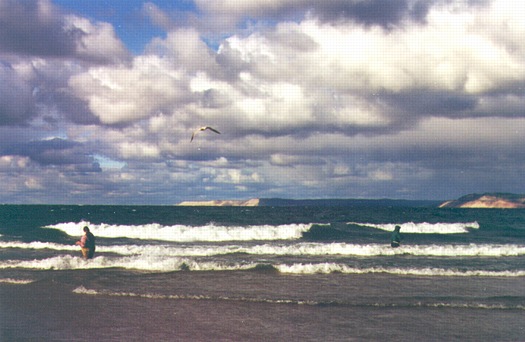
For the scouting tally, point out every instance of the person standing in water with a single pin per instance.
(87, 244)
(395, 239)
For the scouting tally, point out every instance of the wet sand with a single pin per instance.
(32, 313)
(35, 312)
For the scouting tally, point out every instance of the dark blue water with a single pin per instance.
(315, 267)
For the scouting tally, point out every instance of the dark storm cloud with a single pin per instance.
(38, 28)
(57, 152)
(432, 103)
(16, 100)
(385, 13)
(71, 108)
(26, 28)
(21, 96)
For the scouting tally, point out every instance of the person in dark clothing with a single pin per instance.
(395, 239)
(87, 244)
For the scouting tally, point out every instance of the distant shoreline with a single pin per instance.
(474, 201)
(487, 200)
(282, 202)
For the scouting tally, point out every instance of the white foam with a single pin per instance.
(424, 227)
(145, 263)
(318, 249)
(16, 281)
(161, 264)
(474, 306)
(183, 233)
(325, 268)
(85, 291)
(37, 245)
(295, 249)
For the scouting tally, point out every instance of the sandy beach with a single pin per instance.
(50, 311)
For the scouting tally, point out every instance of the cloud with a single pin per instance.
(330, 99)
(38, 28)
(13, 163)
(56, 152)
(16, 98)
(34, 28)
(308, 77)
(97, 42)
(157, 16)
(124, 95)
(383, 13)
(152, 84)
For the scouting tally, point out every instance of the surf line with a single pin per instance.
(84, 291)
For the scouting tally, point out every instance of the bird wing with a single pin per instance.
(213, 129)
(203, 129)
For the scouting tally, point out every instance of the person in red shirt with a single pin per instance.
(87, 244)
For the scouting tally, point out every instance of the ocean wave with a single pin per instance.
(217, 233)
(143, 263)
(184, 233)
(85, 291)
(424, 227)
(371, 250)
(16, 281)
(38, 245)
(465, 305)
(162, 264)
(326, 268)
(295, 249)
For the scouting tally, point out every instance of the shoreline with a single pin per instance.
(49, 310)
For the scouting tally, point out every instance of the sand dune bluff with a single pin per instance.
(487, 201)
(222, 203)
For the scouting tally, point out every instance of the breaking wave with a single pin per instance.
(325, 268)
(184, 233)
(162, 264)
(424, 227)
(218, 233)
(295, 249)
(16, 281)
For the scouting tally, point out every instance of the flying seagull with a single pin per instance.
(203, 129)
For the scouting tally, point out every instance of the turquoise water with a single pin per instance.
(317, 262)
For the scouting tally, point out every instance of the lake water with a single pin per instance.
(169, 273)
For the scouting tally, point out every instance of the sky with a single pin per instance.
(402, 99)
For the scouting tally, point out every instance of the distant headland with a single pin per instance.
(283, 202)
(254, 202)
(486, 200)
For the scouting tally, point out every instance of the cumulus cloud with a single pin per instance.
(128, 94)
(57, 152)
(16, 98)
(9, 163)
(153, 84)
(34, 28)
(309, 76)
(339, 98)
(97, 42)
(38, 28)
(383, 13)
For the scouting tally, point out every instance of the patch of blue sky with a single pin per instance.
(131, 25)
(108, 163)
